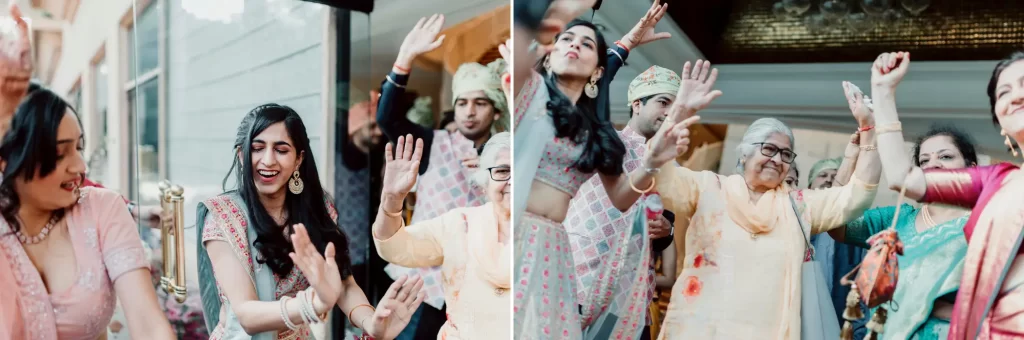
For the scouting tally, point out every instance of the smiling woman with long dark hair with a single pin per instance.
(275, 241)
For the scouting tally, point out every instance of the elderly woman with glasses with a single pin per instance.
(471, 245)
(746, 240)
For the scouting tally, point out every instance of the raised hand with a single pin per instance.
(396, 308)
(322, 274)
(559, 14)
(402, 167)
(695, 91)
(888, 70)
(672, 140)
(15, 58)
(858, 106)
(421, 39)
(506, 76)
(643, 32)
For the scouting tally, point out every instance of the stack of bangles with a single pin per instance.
(309, 316)
(868, 147)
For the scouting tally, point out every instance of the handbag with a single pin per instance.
(876, 278)
(816, 309)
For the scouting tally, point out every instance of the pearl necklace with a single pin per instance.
(34, 239)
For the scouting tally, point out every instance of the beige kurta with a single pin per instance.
(477, 309)
(733, 285)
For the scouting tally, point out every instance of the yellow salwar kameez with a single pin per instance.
(475, 268)
(741, 271)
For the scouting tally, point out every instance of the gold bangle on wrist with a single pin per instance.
(870, 147)
(893, 127)
(391, 214)
(633, 185)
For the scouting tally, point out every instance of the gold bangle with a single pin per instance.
(869, 147)
(353, 311)
(633, 186)
(894, 127)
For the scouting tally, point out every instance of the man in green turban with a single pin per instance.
(823, 173)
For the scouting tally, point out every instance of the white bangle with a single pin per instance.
(284, 314)
(308, 313)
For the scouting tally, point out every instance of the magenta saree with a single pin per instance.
(990, 303)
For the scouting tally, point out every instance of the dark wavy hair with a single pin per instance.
(993, 82)
(30, 145)
(603, 150)
(961, 140)
(308, 207)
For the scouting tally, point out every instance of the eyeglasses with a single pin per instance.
(500, 173)
(770, 150)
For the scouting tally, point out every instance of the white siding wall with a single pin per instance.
(219, 71)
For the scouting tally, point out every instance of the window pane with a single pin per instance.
(148, 156)
(98, 139)
(142, 42)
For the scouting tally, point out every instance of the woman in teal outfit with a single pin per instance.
(934, 244)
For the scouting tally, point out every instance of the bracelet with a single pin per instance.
(894, 127)
(865, 128)
(869, 147)
(653, 171)
(393, 82)
(633, 186)
(619, 44)
(403, 69)
(308, 314)
(313, 316)
(284, 314)
(353, 311)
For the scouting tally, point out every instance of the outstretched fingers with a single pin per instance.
(409, 140)
(418, 154)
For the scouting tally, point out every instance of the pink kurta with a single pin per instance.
(734, 285)
(477, 308)
(106, 245)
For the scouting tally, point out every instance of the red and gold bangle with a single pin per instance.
(403, 69)
(865, 128)
(619, 44)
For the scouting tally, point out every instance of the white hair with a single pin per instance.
(758, 132)
(489, 157)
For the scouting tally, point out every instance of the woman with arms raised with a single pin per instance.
(563, 138)
(472, 245)
(747, 236)
(990, 301)
(260, 290)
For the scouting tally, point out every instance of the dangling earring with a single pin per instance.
(547, 65)
(1009, 143)
(591, 88)
(295, 184)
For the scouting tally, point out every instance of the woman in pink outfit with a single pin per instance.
(66, 251)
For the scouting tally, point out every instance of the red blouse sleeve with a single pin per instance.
(961, 187)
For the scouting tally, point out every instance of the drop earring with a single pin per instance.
(295, 183)
(547, 65)
(591, 88)
(1009, 143)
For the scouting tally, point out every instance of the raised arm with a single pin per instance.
(873, 221)
(125, 260)
(834, 207)
(886, 73)
(850, 157)
(673, 139)
(421, 39)
(418, 245)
